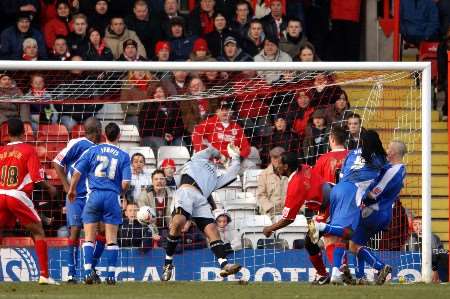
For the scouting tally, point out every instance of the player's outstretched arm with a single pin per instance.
(72, 194)
(233, 170)
(268, 230)
(60, 171)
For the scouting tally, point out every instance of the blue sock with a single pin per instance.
(367, 255)
(338, 254)
(111, 255)
(71, 258)
(98, 250)
(88, 250)
(359, 271)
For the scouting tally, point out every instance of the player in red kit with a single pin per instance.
(307, 188)
(19, 170)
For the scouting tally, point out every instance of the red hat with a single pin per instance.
(166, 163)
(160, 45)
(200, 45)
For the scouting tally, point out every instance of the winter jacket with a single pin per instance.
(419, 19)
(181, 48)
(279, 57)
(11, 43)
(115, 42)
(149, 32)
(215, 41)
(92, 54)
(271, 192)
(56, 27)
(291, 45)
(77, 44)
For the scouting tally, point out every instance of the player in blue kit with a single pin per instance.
(361, 167)
(62, 164)
(108, 172)
(376, 214)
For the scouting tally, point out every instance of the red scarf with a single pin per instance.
(37, 92)
(267, 4)
(207, 23)
(28, 57)
(100, 48)
(141, 84)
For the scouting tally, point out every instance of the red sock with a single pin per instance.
(100, 238)
(329, 249)
(72, 243)
(345, 259)
(317, 262)
(42, 255)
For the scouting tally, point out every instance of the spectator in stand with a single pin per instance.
(272, 187)
(240, 24)
(232, 51)
(212, 78)
(160, 122)
(137, 87)
(77, 40)
(169, 168)
(201, 18)
(11, 39)
(253, 41)
(117, 33)
(59, 26)
(30, 50)
(99, 17)
(10, 8)
(271, 52)
(40, 113)
(130, 51)
(438, 252)
(180, 43)
(323, 92)
(282, 136)
(275, 22)
(176, 83)
(216, 38)
(146, 26)
(48, 11)
(10, 110)
(133, 234)
(230, 236)
(219, 130)
(171, 10)
(315, 143)
(200, 51)
(355, 128)
(198, 109)
(345, 33)
(97, 49)
(160, 198)
(162, 51)
(140, 178)
(293, 38)
(419, 21)
(60, 51)
(306, 53)
(299, 113)
(335, 113)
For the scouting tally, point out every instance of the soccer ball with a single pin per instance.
(145, 215)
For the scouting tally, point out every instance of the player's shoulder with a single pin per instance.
(80, 142)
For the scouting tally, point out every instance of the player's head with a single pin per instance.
(16, 128)
(371, 145)
(112, 132)
(396, 150)
(337, 137)
(288, 163)
(93, 128)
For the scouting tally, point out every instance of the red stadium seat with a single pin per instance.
(51, 175)
(428, 52)
(78, 131)
(52, 132)
(4, 138)
(48, 151)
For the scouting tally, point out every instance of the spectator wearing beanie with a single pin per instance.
(271, 52)
(97, 49)
(99, 16)
(130, 51)
(200, 51)
(169, 168)
(216, 38)
(61, 25)
(117, 33)
(10, 8)
(180, 43)
(11, 39)
(232, 51)
(162, 51)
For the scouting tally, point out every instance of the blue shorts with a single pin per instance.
(102, 206)
(74, 211)
(343, 209)
(371, 225)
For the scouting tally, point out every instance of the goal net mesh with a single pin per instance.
(170, 115)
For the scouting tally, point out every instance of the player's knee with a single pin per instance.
(202, 223)
(313, 249)
(353, 247)
(36, 230)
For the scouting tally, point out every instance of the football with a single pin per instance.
(145, 215)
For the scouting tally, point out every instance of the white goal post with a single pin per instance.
(424, 68)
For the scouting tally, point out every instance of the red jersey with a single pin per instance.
(219, 136)
(327, 165)
(299, 125)
(19, 169)
(304, 187)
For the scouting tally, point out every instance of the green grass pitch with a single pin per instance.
(213, 290)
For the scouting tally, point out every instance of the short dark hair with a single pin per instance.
(93, 126)
(112, 131)
(295, 19)
(371, 145)
(15, 127)
(354, 115)
(160, 171)
(291, 159)
(339, 134)
(137, 155)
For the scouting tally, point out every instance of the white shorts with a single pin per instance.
(193, 202)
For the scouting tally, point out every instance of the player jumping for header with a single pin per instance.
(198, 180)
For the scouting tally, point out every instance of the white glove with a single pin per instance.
(233, 151)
